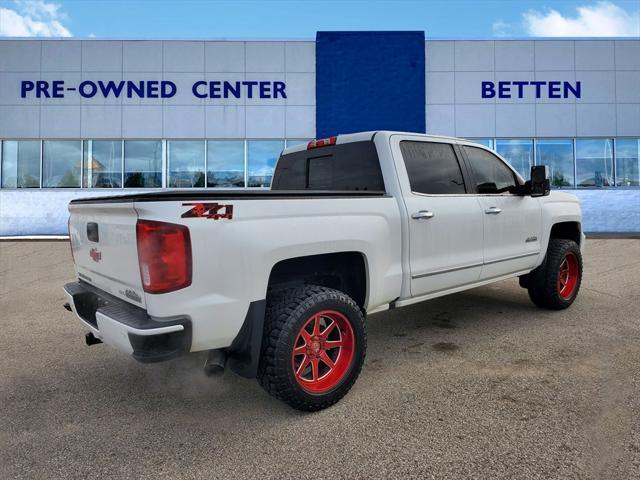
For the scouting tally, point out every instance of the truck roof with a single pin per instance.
(363, 136)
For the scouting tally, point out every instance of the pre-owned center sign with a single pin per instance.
(152, 89)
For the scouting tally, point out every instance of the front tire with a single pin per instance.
(313, 348)
(555, 283)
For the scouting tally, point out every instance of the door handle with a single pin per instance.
(493, 211)
(422, 214)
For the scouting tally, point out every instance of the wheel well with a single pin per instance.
(344, 271)
(566, 230)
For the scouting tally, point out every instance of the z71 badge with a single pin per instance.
(215, 211)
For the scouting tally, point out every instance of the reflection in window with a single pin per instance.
(20, 164)
(491, 173)
(225, 163)
(102, 161)
(262, 156)
(186, 164)
(558, 156)
(519, 154)
(143, 163)
(62, 161)
(594, 162)
(628, 162)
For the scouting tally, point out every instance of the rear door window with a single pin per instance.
(346, 166)
(432, 168)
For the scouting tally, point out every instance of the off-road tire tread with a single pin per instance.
(542, 281)
(282, 310)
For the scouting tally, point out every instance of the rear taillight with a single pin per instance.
(164, 254)
(322, 142)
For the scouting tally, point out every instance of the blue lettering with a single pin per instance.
(42, 88)
(554, 90)
(137, 88)
(214, 89)
(278, 87)
(152, 89)
(57, 89)
(569, 88)
(488, 90)
(520, 85)
(26, 86)
(168, 89)
(111, 86)
(504, 89)
(195, 91)
(235, 91)
(265, 89)
(250, 86)
(92, 89)
(538, 86)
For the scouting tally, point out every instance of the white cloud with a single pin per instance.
(603, 19)
(33, 18)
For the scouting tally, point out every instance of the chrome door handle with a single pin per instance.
(493, 211)
(422, 214)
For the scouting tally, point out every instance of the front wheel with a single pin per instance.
(555, 283)
(314, 346)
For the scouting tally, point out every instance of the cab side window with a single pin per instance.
(432, 168)
(492, 174)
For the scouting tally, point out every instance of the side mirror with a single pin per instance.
(540, 185)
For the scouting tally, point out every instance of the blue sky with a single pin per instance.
(300, 19)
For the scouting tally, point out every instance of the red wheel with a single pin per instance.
(567, 276)
(323, 351)
(314, 346)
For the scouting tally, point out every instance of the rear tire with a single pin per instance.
(555, 283)
(313, 348)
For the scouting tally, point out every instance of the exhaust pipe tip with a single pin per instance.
(91, 339)
(215, 363)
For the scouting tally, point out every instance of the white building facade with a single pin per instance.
(96, 117)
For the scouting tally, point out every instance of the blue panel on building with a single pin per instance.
(369, 81)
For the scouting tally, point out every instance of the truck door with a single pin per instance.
(445, 223)
(512, 223)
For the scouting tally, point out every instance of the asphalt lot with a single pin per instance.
(476, 385)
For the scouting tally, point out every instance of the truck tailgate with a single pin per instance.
(103, 241)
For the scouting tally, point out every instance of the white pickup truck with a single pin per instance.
(277, 283)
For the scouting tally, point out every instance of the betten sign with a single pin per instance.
(541, 89)
(153, 89)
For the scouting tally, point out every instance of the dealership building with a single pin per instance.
(91, 117)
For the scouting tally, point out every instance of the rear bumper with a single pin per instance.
(127, 327)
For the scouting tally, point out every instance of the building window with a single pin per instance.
(262, 156)
(225, 163)
(558, 156)
(487, 142)
(143, 163)
(186, 164)
(293, 143)
(102, 163)
(594, 162)
(62, 161)
(20, 164)
(519, 154)
(628, 162)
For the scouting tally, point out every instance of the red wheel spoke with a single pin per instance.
(302, 366)
(333, 344)
(306, 337)
(300, 350)
(314, 368)
(325, 333)
(327, 361)
(316, 325)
